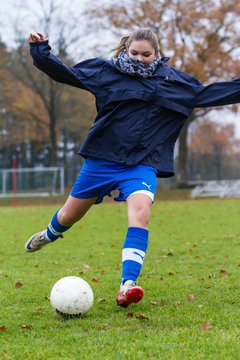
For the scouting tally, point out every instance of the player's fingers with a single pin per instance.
(42, 37)
(30, 37)
(36, 37)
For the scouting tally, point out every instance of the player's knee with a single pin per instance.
(143, 218)
(140, 216)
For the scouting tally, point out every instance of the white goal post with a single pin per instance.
(32, 182)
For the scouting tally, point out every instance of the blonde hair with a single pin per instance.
(139, 34)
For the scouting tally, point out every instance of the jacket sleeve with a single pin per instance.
(219, 94)
(84, 75)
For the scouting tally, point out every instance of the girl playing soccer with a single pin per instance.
(142, 104)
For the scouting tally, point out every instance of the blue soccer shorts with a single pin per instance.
(98, 178)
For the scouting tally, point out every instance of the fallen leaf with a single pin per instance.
(223, 272)
(101, 301)
(142, 317)
(86, 266)
(178, 303)
(85, 269)
(40, 310)
(26, 326)
(18, 285)
(95, 280)
(153, 302)
(3, 327)
(206, 326)
(191, 297)
(163, 302)
(130, 314)
(211, 276)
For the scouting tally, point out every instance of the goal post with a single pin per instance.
(32, 182)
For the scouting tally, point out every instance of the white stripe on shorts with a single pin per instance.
(133, 254)
(146, 192)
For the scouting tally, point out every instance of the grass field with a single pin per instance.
(191, 308)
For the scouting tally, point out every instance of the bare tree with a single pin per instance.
(56, 19)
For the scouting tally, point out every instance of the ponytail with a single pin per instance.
(121, 46)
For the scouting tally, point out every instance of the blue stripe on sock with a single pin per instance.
(136, 238)
(131, 270)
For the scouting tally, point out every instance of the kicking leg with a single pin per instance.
(72, 211)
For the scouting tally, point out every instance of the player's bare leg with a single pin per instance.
(72, 211)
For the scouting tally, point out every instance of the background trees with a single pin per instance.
(44, 122)
(213, 151)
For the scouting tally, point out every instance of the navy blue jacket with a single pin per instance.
(138, 120)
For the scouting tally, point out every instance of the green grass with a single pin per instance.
(194, 249)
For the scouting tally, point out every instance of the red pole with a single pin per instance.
(14, 179)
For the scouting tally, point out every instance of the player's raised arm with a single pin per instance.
(219, 94)
(84, 75)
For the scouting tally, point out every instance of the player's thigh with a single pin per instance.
(138, 210)
(74, 209)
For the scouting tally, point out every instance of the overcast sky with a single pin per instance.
(24, 15)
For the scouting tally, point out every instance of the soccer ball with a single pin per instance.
(71, 296)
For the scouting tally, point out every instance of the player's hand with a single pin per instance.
(36, 37)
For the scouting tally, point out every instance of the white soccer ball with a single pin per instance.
(71, 296)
